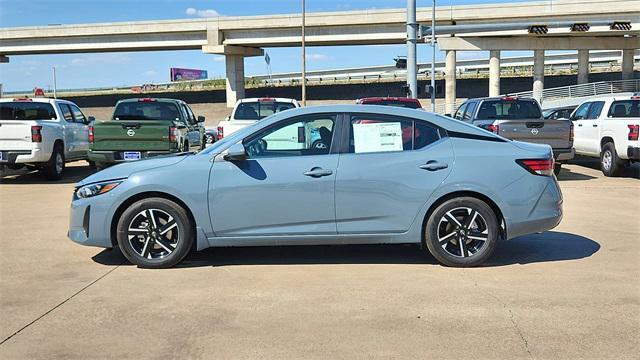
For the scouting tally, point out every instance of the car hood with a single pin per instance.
(124, 170)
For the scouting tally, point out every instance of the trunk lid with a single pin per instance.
(135, 135)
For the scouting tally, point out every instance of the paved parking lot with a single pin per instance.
(573, 292)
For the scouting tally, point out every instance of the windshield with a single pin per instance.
(257, 110)
(624, 109)
(509, 109)
(396, 103)
(27, 111)
(146, 111)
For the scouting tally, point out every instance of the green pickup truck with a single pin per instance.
(141, 128)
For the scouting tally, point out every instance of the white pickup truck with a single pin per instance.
(43, 134)
(608, 128)
(248, 111)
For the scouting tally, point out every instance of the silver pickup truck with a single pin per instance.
(520, 119)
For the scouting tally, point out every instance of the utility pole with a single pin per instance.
(55, 85)
(412, 38)
(304, 61)
(433, 57)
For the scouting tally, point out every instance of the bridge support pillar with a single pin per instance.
(538, 74)
(583, 66)
(627, 64)
(450, 82)
(235, 78)
(494, 73)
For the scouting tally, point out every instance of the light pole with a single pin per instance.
(412, 38)
(55, 85)
(304, 61)
(433, 57)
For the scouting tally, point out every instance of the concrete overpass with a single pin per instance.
(238, 37)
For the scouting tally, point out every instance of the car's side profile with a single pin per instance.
(385, 175)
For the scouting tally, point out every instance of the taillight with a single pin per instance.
(220, 132)
(542, 167)
(571, 132)
(493, 128)
(173, 134)
(634, 130)
(36, 133)
(91, 137)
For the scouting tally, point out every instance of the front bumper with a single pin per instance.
(109, 157)
(564, 154)
(82, 229)
(633, 153)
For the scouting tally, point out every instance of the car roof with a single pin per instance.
(387, 98)
(151, 98)
(267, 98)
(35, 99)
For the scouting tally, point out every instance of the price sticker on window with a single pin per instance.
(377, 137)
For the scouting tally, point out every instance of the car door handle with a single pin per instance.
(433, 165)
(317, 172)
(595, 125)
(580, 125)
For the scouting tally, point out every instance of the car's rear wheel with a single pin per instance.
(610, 163)
(54, 168)
(462, 232)
(155, 233)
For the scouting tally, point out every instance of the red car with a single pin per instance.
(391, 101)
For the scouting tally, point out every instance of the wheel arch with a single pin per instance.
(604, 140)
(466, 193)
(145, 195)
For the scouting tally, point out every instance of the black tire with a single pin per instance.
(54, 168)
(160, 251)
(203, 143)
(185, 146)
(556, 169)
(610, 163)
(209, 139)
(318, 144)
(442, 232)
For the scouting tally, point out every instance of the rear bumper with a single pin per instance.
(564, 154)
(633, 153)
(10, 157)
(545, 214)
(109, 157)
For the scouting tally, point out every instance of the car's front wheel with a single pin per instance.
(155, 233)
(462, 232)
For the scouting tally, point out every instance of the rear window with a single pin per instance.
(509, 109)
(624, 109)
(260, 109)
(27, 111)
(146, 111)
(396, 103)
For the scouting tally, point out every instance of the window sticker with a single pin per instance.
(377, 137)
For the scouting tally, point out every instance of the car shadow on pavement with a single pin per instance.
(568, 175)
(545, 247)
(632, 171)
(72, 174)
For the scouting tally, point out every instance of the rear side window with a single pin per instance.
(624, 109)
(146, 111)
(370, 133)
(509, 109)
(595, 109)
(260, 109)
(27, 111)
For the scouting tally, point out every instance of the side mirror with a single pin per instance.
(236, 152)
(200, 119)
(90, 119)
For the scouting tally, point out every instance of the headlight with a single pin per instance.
(90, 190)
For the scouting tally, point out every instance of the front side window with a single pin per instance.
(372, 134)
(460, 111)
(144, 110)
(595, 109)
(257, 110)
(624, 109)
(77, 114)
(26, 110)
(299, 137)
(581, 112)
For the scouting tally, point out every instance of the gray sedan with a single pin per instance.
(385, 175)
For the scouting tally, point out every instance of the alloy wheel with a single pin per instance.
(607, 159)
(153, 234)
(462, 232)
(59, 163)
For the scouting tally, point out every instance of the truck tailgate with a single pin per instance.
(551, 132)
(15, 134)
(231, 126)
(143, 135)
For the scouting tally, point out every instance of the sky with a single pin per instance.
(134, 68)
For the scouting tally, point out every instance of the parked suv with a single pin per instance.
(141, 128)
(520, 119)
(608, 128)
(43, 134)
